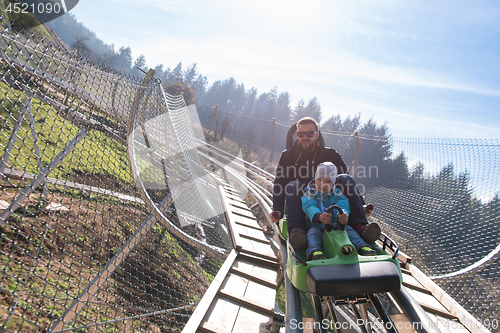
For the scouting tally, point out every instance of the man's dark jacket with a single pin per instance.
(295, 165)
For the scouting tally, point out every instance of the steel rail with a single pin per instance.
(268, 193)
(250, 165)
(474, 268)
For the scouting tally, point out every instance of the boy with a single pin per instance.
(320, 194)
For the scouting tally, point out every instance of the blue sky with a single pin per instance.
(427, 68)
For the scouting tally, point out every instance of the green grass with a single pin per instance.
(96, 153)
(25, 20)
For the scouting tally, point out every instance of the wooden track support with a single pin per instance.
(242, 296)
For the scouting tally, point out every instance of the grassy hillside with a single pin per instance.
(22, 21)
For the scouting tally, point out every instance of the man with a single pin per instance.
(296, 169)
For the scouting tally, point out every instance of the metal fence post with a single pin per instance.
(40, 179)
(91, 290)
(37, 148)
(13, 138)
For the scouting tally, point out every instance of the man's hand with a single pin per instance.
(325, 218)
(275, 216)
(343, 218)
(368, 210)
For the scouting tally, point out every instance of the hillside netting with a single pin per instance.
(109, 221)
(439, 199)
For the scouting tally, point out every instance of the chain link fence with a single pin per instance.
(95, 167)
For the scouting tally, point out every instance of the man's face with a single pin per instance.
(307, 143)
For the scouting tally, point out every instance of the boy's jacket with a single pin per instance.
(295, 165)
(314, 202)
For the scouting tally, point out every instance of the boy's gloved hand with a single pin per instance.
(343, 218)
(325, 218)
(368, 210)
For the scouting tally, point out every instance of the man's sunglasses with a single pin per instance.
(309, 134)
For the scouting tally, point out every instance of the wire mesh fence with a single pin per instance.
(443, 208)
(82, 247)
